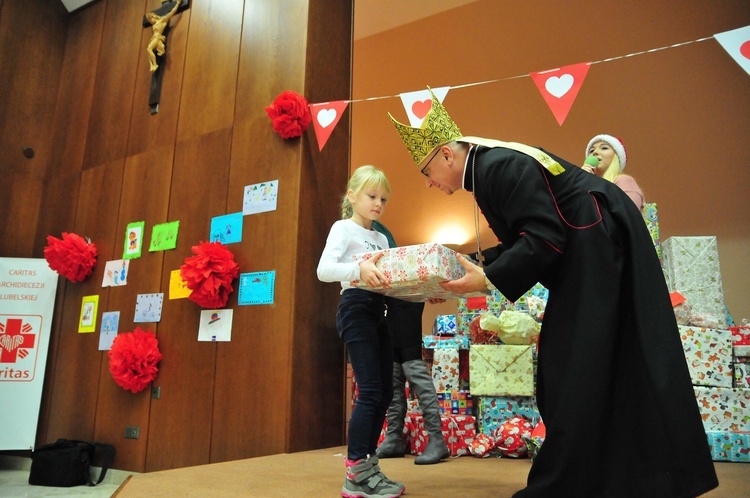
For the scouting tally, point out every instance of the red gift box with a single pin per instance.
(458, 431)
(740, 335)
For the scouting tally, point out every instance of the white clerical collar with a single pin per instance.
(466, 165)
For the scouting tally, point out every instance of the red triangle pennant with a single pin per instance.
(560, 87)
(325, 117)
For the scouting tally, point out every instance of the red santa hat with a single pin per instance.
(616, 145)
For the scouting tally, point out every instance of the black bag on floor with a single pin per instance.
(66, 463)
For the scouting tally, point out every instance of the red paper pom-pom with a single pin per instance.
(290, 114)
(133, 358)
(209, 274)
(509, 437)
(73, 257)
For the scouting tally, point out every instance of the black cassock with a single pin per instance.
(613, 385)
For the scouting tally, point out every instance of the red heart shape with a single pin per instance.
(421, 108)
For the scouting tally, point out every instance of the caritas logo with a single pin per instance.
(19, 336)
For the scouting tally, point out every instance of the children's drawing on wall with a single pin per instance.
(148, 307)
(178, 288)
(87, 321)
(164, 236)
(257, 288)
(116, 273)
(216, 325)
(133, 240)
(260, 197)
(108, 330)
(227, 229)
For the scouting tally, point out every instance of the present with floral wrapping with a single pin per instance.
(455, 402)
(413, 273)
(458, 432)
(501, 370)
(729, 446)
(709, 355)
(491, 411)
(445, 368)
(723, 408)
(691, 266)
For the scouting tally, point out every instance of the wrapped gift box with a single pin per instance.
(444, 325)
(463, 321)
(740, 335)
(723, 408)
(439, 342)
(413, 273)
(742, 373)
(729, 446)
(456, 402)
(501, 370)
(491, 411)
(497, 303)
(651, 217)
(709, 355)
(445, 368)
(691, 267)
(458, 431)
(741, 351)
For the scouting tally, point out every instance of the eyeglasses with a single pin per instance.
(428, 163)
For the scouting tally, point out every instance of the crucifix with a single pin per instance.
(158, 21)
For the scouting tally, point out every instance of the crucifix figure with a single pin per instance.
(158, 20)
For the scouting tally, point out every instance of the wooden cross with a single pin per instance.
(158, 21)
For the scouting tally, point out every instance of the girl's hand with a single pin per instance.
(588, 168)
(369, 273)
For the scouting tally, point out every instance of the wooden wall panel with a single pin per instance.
(19, 205)
(156, 130)
(180, 421)
(116, 64)
(115, 163)
(27, 117)
(76, 90)
(316, 346)
(74, 378)
(145, 197)
(259, 154)
(210, 75)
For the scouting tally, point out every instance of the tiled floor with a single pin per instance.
(14, 482)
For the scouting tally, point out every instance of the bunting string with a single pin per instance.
(559, 87)
(486, 82)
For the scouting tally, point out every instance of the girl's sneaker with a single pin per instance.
(364, 479)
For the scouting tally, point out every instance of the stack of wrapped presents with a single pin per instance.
(486, 383)
(717, 352)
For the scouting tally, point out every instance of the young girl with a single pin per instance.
(361, 325)
(610, 151)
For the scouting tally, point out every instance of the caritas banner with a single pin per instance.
(27, 300)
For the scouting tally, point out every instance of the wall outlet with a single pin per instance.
(132, 432)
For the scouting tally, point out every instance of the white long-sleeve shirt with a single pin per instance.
(346, 239)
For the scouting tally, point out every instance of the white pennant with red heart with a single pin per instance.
(737, 44)
(559, 87)
(325, 117)
(418, 104)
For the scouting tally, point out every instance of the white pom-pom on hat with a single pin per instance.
(616, 145)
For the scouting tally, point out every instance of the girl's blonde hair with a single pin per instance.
(363, 177)
(614, 169)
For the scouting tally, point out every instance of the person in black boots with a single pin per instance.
(404, 321)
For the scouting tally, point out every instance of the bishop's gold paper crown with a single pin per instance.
(437, 129)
